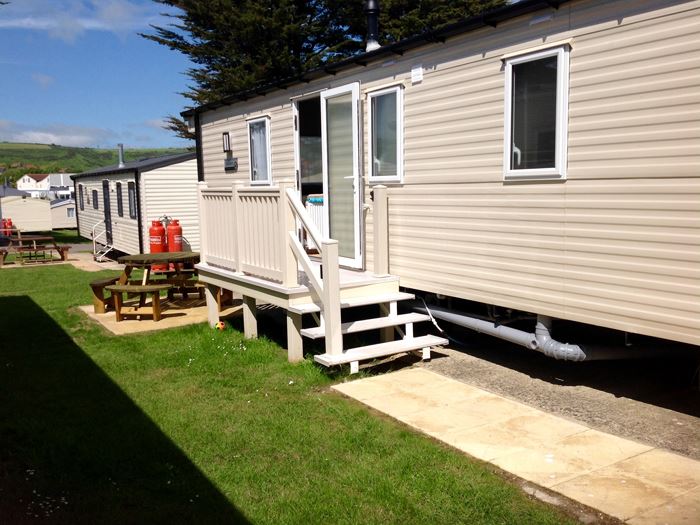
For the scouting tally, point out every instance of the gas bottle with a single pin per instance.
(174, 236)
(3, 226)
(156, 234)
(175, 240)
(9, 226)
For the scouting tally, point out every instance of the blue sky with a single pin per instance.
(75, 73)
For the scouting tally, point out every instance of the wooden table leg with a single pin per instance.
(156, 306)
(117, 305)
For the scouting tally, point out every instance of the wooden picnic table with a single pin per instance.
(31, 245)
(179, 279)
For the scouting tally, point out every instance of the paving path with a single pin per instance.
(636, 483)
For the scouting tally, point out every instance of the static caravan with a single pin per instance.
(27, 214)
(541, 160)
(116, 204)
(63, 213)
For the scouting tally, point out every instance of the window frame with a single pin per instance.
(95, 200)
(70, 213)
(131, 190)
(249, 123)
(562, 112)
(120, 199)
(398, 178)
(81, 198)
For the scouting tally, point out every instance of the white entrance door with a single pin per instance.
(341, 171)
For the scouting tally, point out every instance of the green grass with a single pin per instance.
(20, 158)
(192, 425)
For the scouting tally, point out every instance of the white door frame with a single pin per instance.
(354, 90)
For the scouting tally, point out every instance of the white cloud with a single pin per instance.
(64, 135)
(155, 123)
(43, 80)
(67, 20)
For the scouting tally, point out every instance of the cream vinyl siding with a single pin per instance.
(27, 214)
(617, 244)
(125, 231)
(171, 190)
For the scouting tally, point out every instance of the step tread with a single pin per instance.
(363, 325)
(380, 350)
(306, 308)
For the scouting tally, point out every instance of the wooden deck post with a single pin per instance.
(331, 296)
(295, 344)
(250, 317)
(202, 223)
(212, 293)
(237, 227)
(290, 277)
(381, 231)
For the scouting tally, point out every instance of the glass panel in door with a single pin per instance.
(341, 171)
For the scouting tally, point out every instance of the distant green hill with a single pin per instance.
(18, 158)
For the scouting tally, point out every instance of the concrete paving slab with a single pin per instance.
(520, 434)
(617, 476)
(638, 485)
(570, 457)
(683, 510)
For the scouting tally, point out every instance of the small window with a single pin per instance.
(81, 197)
(132, 200)
(536, 104)
(120, 201)
(259, 150)
(95, 203)
(386, 135)
(70, 213)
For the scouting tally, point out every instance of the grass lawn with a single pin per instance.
(191, 425)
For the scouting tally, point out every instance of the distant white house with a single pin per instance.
(47, 186)
(63, 213)
(37, 185)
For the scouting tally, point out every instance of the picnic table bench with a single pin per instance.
(142, 290)
(99, 301)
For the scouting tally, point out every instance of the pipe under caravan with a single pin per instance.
(541, 340)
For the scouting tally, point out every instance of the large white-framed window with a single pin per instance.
(385, 136)
(536, 114)
(259, 150)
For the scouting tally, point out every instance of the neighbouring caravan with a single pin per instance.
(115, 204)
(63, 213)
(27, 214)
(543, 158)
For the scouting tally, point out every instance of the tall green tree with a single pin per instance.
(237, 44)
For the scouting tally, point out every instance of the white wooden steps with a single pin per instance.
(353, 327)
(375, 351)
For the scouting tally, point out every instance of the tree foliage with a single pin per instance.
(237, 44)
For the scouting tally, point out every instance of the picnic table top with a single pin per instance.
(147, 259)
(136, 288)
(31, 238)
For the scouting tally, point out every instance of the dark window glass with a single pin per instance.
(95, 204)
(132, 200)
(81, 197)
(534, 114)
(120, 201)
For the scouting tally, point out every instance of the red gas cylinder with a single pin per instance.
(174, 236)
(174, 239)
(156, 234)
(9, 226)
(3, 226)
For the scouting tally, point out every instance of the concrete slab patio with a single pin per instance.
(176, 313)
(631, 481)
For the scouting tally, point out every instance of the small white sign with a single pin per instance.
(417, 74)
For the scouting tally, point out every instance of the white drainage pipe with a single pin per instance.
(541, 340)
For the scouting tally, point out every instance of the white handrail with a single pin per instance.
(95, 237)
(304, 217)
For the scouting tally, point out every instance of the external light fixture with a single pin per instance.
(226, 141)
